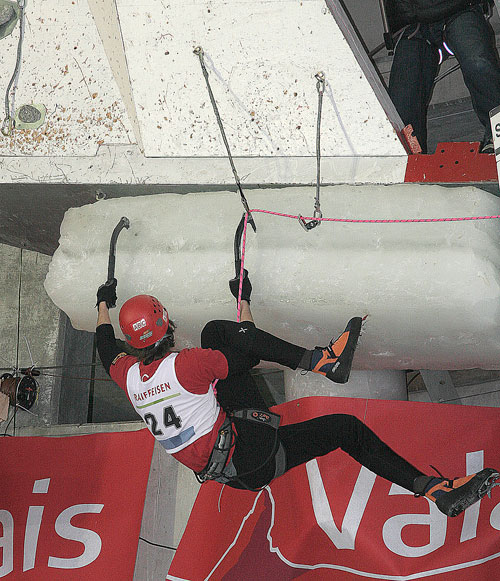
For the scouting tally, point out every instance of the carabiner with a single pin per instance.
(312, 223)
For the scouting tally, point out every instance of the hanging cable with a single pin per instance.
(8, 122)
(157, 544)
(23, 369)
(19, 307)
(8, 424)
(73, 377)
(199, 52)
(320, 87)
(17, 343)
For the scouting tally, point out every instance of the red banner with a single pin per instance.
(333, 519)
(71, 508)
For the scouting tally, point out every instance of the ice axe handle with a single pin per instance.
(123, 223)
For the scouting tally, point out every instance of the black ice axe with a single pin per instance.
(123, 223)
(237, 246)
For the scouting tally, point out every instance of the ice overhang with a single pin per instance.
(430, 290)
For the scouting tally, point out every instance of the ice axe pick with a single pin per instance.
(123, 223)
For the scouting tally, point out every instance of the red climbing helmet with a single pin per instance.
(143, 321)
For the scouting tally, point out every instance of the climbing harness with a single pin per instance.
(277, 454)
(8, 122)
(448, 52)
(221, 470)
(320, 87)
(218, 468)
(199, 52)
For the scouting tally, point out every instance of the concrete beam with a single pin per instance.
(108, 24)
(29, 317)
(440, 386)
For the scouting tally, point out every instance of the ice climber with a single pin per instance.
(231, 436)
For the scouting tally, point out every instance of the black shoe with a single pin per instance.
(487, 146)
(335, 361)
(453, 496)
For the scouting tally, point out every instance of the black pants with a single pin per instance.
(244, 346)
(415, 65)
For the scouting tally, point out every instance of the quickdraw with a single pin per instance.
(199, 52)
(320, 87)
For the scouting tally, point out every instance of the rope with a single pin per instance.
(356, 221)
(73, 377)
(157, 544)
(8, 123)
(348, 220)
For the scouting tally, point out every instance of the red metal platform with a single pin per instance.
(457, 162)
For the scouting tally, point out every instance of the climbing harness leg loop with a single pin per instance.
(266, 418)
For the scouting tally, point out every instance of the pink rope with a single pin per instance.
(348, 220)
(378, 221)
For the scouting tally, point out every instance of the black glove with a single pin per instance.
(107, 293)
(246, 289)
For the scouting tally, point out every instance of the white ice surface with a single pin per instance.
(430, 290)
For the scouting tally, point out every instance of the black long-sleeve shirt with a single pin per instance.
(106, 345)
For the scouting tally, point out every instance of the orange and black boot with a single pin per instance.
(453, 496)
(335, 361)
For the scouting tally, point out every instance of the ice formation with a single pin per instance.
(430, 290)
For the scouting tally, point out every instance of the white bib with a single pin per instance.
(175, 416)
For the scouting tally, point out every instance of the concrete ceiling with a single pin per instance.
(31, 213)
